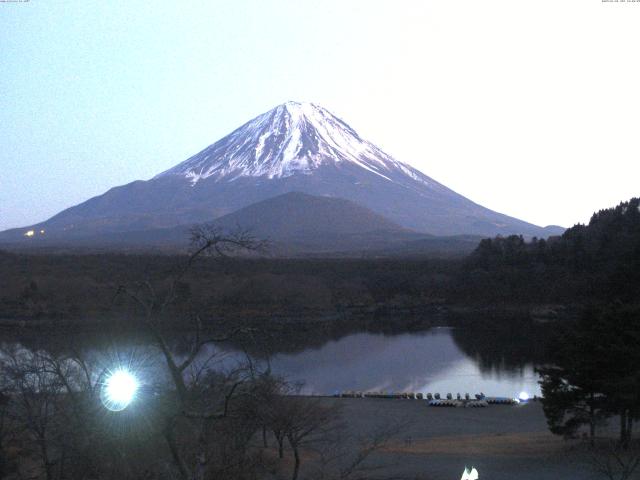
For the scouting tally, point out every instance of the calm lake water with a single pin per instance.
(439, 360)
(428, 361)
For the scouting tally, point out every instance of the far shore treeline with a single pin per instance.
(595, 263)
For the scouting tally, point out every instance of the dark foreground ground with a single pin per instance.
(502, 442)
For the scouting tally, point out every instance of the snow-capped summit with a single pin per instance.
(291, 138)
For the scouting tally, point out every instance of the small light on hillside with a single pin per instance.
(29, 233)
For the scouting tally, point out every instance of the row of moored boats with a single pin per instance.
(435, 400)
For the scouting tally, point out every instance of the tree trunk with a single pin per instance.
(623, 428)
(264, 436)
(592, 423)
(629, 427)
(48, 466)
(201, 459)
(175, 453)
(280, 440)
(296, 465)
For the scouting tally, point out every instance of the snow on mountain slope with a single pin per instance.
(291, 138)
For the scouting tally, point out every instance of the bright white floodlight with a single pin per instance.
(119, 390)
(523, 397)
(470, 474)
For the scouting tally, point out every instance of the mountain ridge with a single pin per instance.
(293, 224)
(297, 214)
(293, 147)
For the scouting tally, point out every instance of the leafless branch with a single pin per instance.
(613, 462)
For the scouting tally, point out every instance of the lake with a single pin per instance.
(443, 360)
(429, 361)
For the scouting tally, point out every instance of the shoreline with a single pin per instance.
(427, 315)
(502, 442)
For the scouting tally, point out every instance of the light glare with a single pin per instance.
(119, 390)
(523, 397)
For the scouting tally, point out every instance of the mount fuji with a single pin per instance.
(295, 147)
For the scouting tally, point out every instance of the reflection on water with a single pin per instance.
(463, 360)
(422, 362)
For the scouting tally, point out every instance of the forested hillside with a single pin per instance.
(595, 262)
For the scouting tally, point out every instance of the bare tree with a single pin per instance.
(4, 461)
(272, 412)
(36, 407)
(345, 457)
(194, 402)
(307, 420)
(302, 421)
(614, 461)
(49, 404)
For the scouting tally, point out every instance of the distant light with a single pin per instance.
(119, 390)
(42, 232)
(29, 233)
(523, 397)
(469, 474)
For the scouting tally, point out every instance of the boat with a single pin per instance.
(476, 404)
(501, 400)
(446, 403)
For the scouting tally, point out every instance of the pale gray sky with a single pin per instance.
(527, 107)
